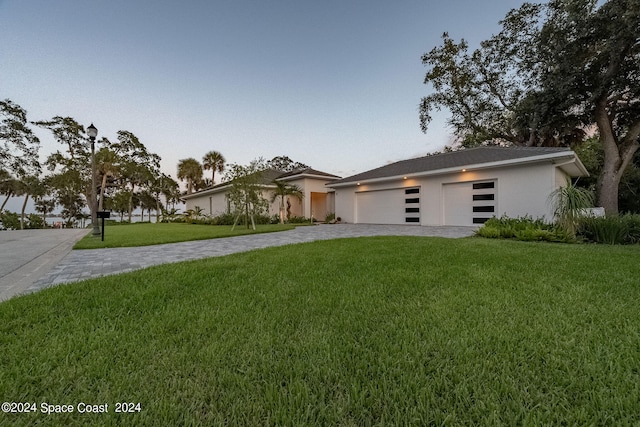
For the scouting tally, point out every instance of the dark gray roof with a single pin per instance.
(267, 177)
(453, 159)
(307, 171)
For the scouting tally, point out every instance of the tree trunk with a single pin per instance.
(9, 194)
(24, 206)
(616, 159)
(104, 183)
(131, 202)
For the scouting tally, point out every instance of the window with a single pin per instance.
(484, 209)
(484, 197)
(483, 185)
(412, 205)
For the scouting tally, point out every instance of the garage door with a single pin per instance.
(396, 206)
(469, 203)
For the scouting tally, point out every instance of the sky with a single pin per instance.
(334, 84)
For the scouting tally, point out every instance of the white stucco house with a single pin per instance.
(464, 187)
(318, 199)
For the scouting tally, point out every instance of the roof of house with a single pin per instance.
(306, 173)
(480, 157)
(266, 179)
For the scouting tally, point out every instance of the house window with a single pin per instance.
(412, 200)
(412, 191)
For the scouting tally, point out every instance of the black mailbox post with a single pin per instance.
(103, 215)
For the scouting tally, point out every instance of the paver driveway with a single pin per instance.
(84, 264)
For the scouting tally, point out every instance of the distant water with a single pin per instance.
(53, 220)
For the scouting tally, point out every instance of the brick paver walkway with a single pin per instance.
(84, 264)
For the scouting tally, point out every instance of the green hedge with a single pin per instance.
(614, 230)
(524, 228)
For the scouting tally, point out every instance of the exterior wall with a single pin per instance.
(314, 191)
(216, 203)
(520, 190)
(318, 200)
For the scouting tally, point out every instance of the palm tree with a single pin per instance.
(45, 206)
(283, 190)
(191, 171)
(215, 161)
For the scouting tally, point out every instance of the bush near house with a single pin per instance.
(616, 230)
(525, 229)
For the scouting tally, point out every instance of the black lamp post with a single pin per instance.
(92, 131)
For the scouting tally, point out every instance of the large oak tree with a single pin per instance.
(554, 71)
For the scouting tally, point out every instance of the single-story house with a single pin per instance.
(464, 187)
(318, 200)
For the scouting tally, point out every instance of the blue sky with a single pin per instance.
(333, 84)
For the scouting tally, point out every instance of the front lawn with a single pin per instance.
(145, 234)
(367, 331)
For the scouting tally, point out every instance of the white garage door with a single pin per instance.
(469, 203)
(396, 206)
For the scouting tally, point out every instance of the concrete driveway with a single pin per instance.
(27, 255)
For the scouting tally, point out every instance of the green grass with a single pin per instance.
(368, 331)
(145, 234)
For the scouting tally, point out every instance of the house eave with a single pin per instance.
(568, 156)
(305, 175)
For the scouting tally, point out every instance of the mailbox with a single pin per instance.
(103, 214)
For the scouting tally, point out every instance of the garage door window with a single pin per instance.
(412, 205)
(484, 205)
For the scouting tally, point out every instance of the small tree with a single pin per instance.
(45, 207)
(569, 204)
(283, 190)
(246, 191)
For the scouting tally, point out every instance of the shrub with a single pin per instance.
(34, 221)
(10, 220)
(615, 230)
(330, 217)
(569, 203)
(298, 220)
(524, 228)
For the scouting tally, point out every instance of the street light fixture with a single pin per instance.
(92, 131)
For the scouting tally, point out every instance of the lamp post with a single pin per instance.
(92, 131)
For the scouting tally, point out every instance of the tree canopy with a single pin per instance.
(555, 71)
(215, 162)
(18, 144)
